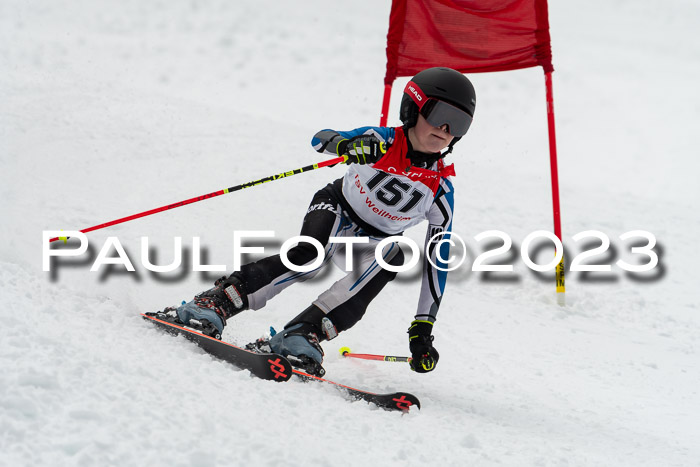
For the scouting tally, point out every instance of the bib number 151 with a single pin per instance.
(393, 191)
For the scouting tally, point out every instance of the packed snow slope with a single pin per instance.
(113, 108)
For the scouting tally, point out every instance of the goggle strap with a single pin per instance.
(416, 93)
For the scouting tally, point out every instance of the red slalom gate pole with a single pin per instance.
(559, 273)
(271, 178)
(345, 352)
(384, 117)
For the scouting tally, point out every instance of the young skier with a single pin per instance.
(396, 178)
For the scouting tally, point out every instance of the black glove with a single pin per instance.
(365, 149)
(420, 341)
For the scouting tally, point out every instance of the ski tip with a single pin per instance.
(344, 351)
(405, 401)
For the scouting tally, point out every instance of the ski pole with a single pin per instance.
(271, 178)
(345, 352)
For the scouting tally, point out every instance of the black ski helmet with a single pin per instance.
(440, 83)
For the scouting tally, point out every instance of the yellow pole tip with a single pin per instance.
(344, 350)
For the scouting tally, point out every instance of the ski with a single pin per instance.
(271, 366)
(402, 401)
(268, 366)
(307, 371)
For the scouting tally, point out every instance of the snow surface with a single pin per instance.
(112, 108)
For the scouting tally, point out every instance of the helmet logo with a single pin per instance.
(416, 94)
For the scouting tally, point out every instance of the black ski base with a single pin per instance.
(268, 366)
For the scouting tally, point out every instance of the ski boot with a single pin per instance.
(300, 340)
(209, 310)
(301, 346)
(227, 298)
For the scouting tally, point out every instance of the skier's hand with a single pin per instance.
(365, 149)
(420, 341)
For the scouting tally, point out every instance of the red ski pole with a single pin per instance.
(345, 352)
(271, 178)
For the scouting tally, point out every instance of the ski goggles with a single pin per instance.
(438, 112)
